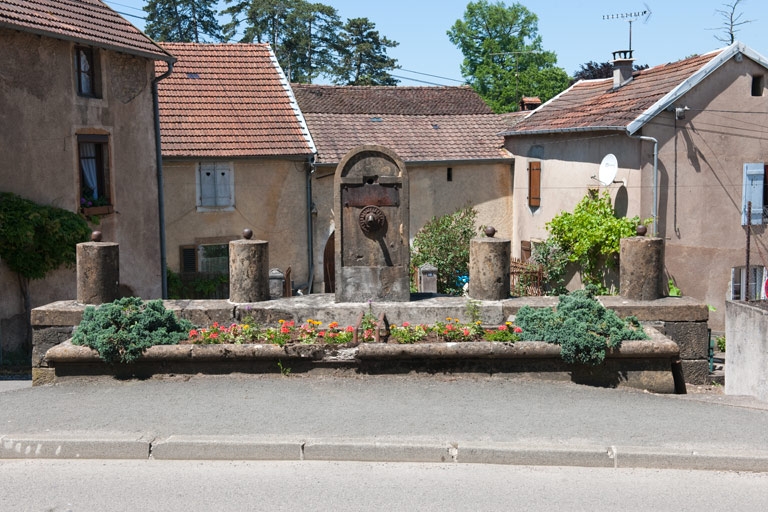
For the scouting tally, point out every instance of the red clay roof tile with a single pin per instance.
(594, 104)
(82, 21)
(421, 124)
(228, 100)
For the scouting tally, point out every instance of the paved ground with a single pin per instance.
(382, 418)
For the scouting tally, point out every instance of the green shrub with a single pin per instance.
(120, 331)
(444, 243)
(591, 235)
(582, 327)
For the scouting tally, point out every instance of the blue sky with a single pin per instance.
(574, 30)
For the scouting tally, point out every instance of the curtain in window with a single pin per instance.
(88, 166)
(85, 72)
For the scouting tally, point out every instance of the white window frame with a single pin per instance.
(739, 283)
(213, 195)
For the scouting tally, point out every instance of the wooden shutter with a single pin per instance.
(207, 184)
(754, 178)
(534, 184)
(223, 186)
(188, 258)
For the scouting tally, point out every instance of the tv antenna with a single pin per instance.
(630, 17)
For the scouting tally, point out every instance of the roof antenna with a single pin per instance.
(630, 17)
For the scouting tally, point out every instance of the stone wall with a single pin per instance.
(746, 354)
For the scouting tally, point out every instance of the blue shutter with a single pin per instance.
(754, 177)
(207, 185)
(223, 185)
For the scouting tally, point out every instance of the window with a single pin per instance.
(93, 154)
(757, 277)
(88, 73)
(758, 84)
(215, 186)
(213, 259)
(753, 191)
(534, 184)
(449, 174)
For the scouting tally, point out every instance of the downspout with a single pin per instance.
(310, 248)
(160, 194)
(654, 209)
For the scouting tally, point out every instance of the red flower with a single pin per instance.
(518, 329)
(350, 328)
(214, 335)
(502, 327)
(406, 324)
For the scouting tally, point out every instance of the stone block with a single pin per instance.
(43, 376)
(691, 337)
(696, 371)
(46, 338)
(667, 309)
(61, 313)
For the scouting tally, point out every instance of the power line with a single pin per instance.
(433, 76)
(124, 5)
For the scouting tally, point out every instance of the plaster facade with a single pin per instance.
(486, 186)
(42, 117)
(270, 198)
(700, 178)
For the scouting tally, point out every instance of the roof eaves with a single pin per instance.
(692, 81)
(550, 131)
(159, 55)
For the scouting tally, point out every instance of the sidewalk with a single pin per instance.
(414, 418)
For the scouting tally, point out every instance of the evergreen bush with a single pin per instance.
(583, 328)
(120, 331)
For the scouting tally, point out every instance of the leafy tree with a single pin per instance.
(364, 59)
(183, 21)
(303, 35)
(731, 22)
(592, 234)
(503, 55)
(592, 70)
(444, 243)
(36, 239)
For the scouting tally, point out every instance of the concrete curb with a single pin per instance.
(522, 453)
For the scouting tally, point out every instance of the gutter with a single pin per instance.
(160, 194)
(654, 209)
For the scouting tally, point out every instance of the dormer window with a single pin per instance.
(87, 72)
(758, 85)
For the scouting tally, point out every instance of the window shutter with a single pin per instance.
(754, 178)
(188, 258)
(534, 184)
(223, 186)
(207, 185)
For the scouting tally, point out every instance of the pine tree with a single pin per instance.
(364, 59)
(182, 21)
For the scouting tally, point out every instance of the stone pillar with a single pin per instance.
(248, 269)
(641, 271)
(428, 278)
(98, 271)
(489, 268)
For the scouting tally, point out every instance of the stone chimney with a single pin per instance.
(530, 103)
(622, 67)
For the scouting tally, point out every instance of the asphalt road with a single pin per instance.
(383, 418)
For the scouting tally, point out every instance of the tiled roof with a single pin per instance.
(82, 21)
(229, 100)
(421, 124)
(595, 105)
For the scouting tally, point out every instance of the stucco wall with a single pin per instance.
(486, 187)
(569, 167)
(701, 161)
(41, 117)
(270, 199)
(746, 354)
(700, 166)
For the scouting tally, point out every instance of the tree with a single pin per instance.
(731, 21)
(182, 21)
(592, 70)
(364, 59)
(35, 240)
(503, 55)
(303, 35)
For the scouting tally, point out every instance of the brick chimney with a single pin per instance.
(622, 67)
